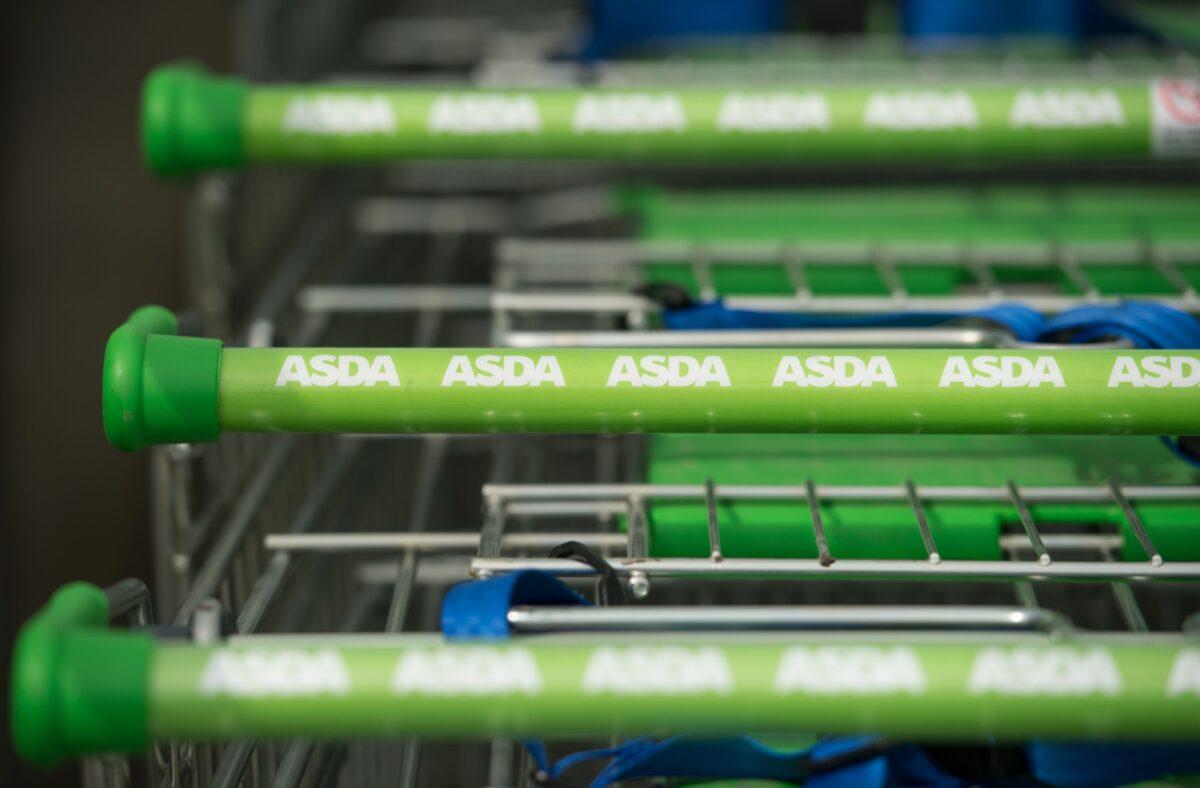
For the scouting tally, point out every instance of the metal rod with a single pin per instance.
(659, 618)
(1075, 275)
(914, 500)
(492, 533)
(430, 541)
(832, 492)
(714, 527)
(395, 298)
(637, 546)
(294, 763)
(129, 596)
(636, 536)
(702, 272)
(402, 593)
(268, 584)
(1031, 530)
(234, 532)
(798, 337)
(899, 569)
(824, 557)
(601, 253)
(1135, 523)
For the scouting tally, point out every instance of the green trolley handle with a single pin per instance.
(192, 122)
(80, 689)
(162, 388)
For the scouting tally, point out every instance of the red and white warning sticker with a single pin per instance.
(1175, 117)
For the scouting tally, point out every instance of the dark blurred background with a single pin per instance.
(88, 236)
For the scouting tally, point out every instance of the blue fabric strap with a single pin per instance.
(848, 761)
(1110, 763)
(1144, 323)
(478, 609)
(1024, 323)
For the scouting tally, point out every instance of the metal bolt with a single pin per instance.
(206, 623)
(638, 585)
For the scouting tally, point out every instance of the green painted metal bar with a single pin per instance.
(82, 689)
(192, 121)
(162, 389)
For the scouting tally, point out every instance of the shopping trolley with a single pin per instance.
(301, 534)
(581, 684)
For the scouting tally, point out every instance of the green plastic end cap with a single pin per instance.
(191, 121)
(77, 687)
(159, 387)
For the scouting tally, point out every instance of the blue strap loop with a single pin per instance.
(478, 609)
(1144, 323)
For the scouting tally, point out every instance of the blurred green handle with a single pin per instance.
(79, 689)
(193, 122)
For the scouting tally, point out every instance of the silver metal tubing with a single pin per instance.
(714, 527)
(526, 619)
(824, 557)
(1031, 530)
(294, 763)
(914, 500)
(1135, 523)
(234, 761)
(271, 580)
(394, 298)
(1036, 254)
(834, 492)
(894, 569)
(234, 532)
(954, 303)
(429, 541)
(402, 593)
(425, 298)
(1098, 542)
(799, 337)
(129, 596)
(637, 537)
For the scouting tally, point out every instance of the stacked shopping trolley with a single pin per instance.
(881, 483)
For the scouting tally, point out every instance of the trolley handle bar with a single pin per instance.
(193, 122)
(163, 388)
(81, 689)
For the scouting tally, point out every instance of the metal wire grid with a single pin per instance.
(580, 292)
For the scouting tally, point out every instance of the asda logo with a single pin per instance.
(836, 371)
(1156, 372)
(672, 371)
(625, 113)
(773, 112)
(1057, 671)
(479, 670)
(853, 670)
(285, 673)
(1001, 371)
(656, 670)
(1066, 109)
(920, 110)
(339, 114)
(330, 370)
(1185, 674)
(490, 371)
(484, 114)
